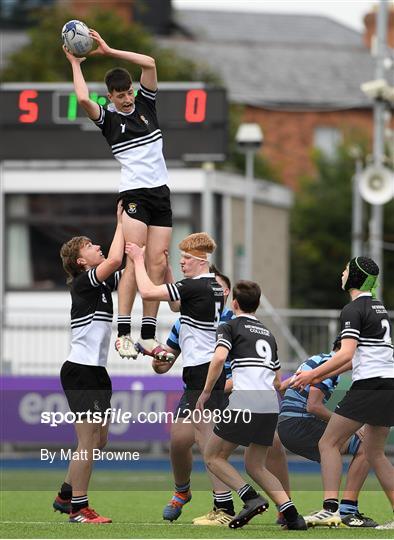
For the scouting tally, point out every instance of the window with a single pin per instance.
(37, 225)
(327, 139)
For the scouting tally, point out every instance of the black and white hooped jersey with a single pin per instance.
(136, 142)
(91, 318)
(366, 320)
(253, 356)
(202, 303)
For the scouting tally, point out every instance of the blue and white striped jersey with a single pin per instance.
(295, 401)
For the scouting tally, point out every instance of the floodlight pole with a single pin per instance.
(357, 211)
(249, 200)
(376, 221)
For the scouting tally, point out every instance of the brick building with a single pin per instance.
(298, 76)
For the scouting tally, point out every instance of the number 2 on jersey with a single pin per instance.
(386, 328)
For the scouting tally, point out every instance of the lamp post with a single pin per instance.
(249, 139)
(357, 204)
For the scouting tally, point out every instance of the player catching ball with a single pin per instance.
(130, 125)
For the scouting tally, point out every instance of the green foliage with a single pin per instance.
(43, 59)
(321, 235)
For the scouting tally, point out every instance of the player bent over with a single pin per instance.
(302, 422)
(200, 300)
(85, 381)
(130, 125)
(252, 411)
(366, 342)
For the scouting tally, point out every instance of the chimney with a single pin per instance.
(370, 22)
(124, 8)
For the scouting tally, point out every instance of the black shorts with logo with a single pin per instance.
(301, 436)
(369, 401)
(87, 388)
(245, 427)
(194, 378)
(152, 206)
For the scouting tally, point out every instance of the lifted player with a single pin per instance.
(131, 128)
(85, 381)
(252, 411)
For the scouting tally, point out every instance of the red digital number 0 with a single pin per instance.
(29, 108)
(196, 106)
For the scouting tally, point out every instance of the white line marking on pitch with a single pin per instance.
(102, 524)
(68, 523)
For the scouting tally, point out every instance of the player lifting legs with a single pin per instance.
(85, 381)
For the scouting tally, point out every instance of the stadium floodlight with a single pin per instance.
(378, 89)
(249, 137)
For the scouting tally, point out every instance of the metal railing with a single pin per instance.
(37, 343)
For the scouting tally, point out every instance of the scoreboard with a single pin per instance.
(44, 121)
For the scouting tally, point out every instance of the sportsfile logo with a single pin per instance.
(117, 416)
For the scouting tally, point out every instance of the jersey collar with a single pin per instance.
(209, 275)
(363, 294)
(247, 316)
(111, 107)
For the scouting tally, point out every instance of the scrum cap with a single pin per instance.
(363, 275)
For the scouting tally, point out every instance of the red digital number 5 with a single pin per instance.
(196, 106)
(29, 108)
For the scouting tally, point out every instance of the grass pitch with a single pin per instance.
(26, 508)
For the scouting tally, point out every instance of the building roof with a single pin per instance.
(272, 28)
(274, 60)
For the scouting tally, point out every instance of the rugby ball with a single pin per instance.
(76, 38)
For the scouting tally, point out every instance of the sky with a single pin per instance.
(348, 12)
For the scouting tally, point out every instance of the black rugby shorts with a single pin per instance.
(152, 206)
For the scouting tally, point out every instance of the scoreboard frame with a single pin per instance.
(43, 121)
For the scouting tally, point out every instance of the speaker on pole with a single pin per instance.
(376, 185)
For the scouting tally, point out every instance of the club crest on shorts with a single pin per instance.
(132, 208)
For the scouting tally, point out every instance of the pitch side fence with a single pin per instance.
(37, 343)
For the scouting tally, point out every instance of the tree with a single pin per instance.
(42, 60)
(321, 235)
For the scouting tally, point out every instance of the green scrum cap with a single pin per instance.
(363, 275)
